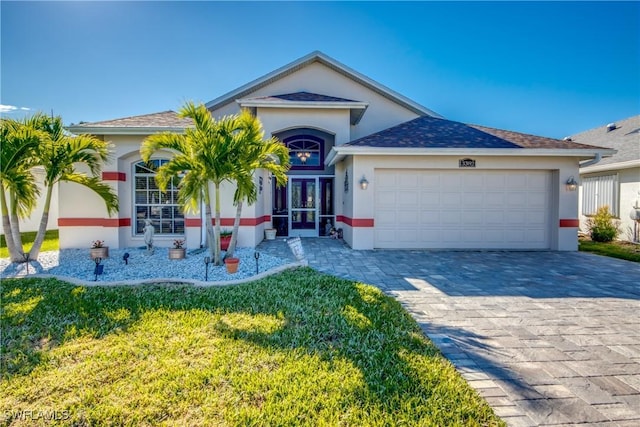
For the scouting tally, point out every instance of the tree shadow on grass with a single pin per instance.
(321, 316)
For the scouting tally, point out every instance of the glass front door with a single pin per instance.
(304, 207)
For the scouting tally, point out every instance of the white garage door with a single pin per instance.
(462, 209)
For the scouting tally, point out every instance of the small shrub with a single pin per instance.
(603, 227)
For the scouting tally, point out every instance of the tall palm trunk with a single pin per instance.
(15, 230)
(208, 223)
(234, 234)
(42, 229)
(217, 261)
(15, 252)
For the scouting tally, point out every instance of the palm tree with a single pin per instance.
(204, 155)
(255, 153)
(18, 140)
(58, 153)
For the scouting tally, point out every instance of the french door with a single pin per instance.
(304, 215)
(304, 207)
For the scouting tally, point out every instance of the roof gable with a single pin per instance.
(318, 57)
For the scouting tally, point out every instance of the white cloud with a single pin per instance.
(8, 109)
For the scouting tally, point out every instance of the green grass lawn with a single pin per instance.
(615, 249)
(50, 242)
(298, 348)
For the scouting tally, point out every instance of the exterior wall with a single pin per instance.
(334, 122)
(318, 78)
(83, 217)
(32, 222)
(345, 200)
(629, 197)
(564, 215)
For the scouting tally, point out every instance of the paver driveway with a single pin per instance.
(547, 338)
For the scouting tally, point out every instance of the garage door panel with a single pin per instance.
(451, 218)
(517, 200)
(450, 183)
(473, 236)
(494, 217)
(473, 218)
(451, 199)
(493, 236)
(462, 209)
(493, 198)
(515, 181)
(430, 180)
(407, 199)
(429, 217)
(385, 198)
(537, 200)
(385, 218)
(408, 217)
(536, 180)
(430, 237)
(408, 181)
(495, 180)
(473, 199)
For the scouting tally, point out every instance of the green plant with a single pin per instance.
(617, 249)
(225, 233)
(603, 227)
(50, 243)
(299, 348)
(97, 244)
(178, 244)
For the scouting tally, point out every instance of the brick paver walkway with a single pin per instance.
(547, 338)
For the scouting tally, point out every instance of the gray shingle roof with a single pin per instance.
(625, 138)
(168, 119)
(305, 97)
(432, 132)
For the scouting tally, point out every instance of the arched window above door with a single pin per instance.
(305, 152)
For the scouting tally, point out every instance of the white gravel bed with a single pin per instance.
(76, 264)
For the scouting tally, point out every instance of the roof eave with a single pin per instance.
(611, 166)
(340, 152)
(121, 130)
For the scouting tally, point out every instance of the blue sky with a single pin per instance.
(545, 68)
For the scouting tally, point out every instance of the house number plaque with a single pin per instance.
(466, 163)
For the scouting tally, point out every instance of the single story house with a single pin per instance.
(615, 180)
(365, 159)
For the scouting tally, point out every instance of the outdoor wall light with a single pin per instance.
(364, 183)
(572, 185)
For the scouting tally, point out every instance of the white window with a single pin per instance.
(598, 191)
(149, 202)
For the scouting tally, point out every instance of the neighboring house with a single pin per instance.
(387, 171)
(613, 181)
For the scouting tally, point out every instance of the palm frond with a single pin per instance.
(103, 190)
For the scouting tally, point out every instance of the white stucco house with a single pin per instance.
(613, 181)
(387, 171)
